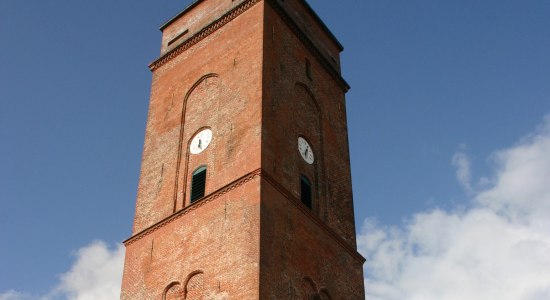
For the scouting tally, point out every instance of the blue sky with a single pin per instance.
(438, 88)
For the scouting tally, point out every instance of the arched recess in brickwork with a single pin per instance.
(199, 87)
(309, 288)
(310, 93)
(324, 294)
(173, 291)
(311, 292)
(194, 286)
(309, 120)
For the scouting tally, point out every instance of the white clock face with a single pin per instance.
(201, 141)
(305, 150)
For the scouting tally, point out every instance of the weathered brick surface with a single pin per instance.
(220, 239)
(240, 70)
(295, 105)
(201, 14)
(306, 21)
(229, 103)
(295, 249)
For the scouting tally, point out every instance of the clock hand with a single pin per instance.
(200, 144)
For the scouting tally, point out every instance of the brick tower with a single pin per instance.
(245, 186)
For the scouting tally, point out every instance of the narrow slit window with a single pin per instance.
(305, 195)
(198, 184)
(178, 37)
(308, 69)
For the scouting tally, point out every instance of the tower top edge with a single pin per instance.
(181, 13)
(305, 3)
(323, 25)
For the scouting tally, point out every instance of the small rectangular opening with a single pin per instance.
(308, 69)
(178, 37)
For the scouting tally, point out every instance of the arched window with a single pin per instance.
(198, 184)
(305, 188)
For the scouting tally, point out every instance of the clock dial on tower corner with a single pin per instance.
(305, 150)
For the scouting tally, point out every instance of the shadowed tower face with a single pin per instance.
(245, 186)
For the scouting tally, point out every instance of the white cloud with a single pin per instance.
(14, 295)
(522, 188)
(96, 274)
(461, 161)
(497, 249)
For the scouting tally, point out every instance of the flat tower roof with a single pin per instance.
(306, 4)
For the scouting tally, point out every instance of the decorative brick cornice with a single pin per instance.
(307, 212)
(203, 33)
(222, 191)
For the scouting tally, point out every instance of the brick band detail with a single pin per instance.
(231, 186)
(290, 197)
(235, 184)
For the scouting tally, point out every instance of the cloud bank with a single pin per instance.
(96, 274)
(498, 248)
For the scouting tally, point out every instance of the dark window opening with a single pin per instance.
(305, 196)
(198, 184)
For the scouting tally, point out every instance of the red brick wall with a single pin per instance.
(296, 249)
(195, 19)
(302, 16)
(229, 103)
(296, 105)
(219, 238)
(305, 252)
